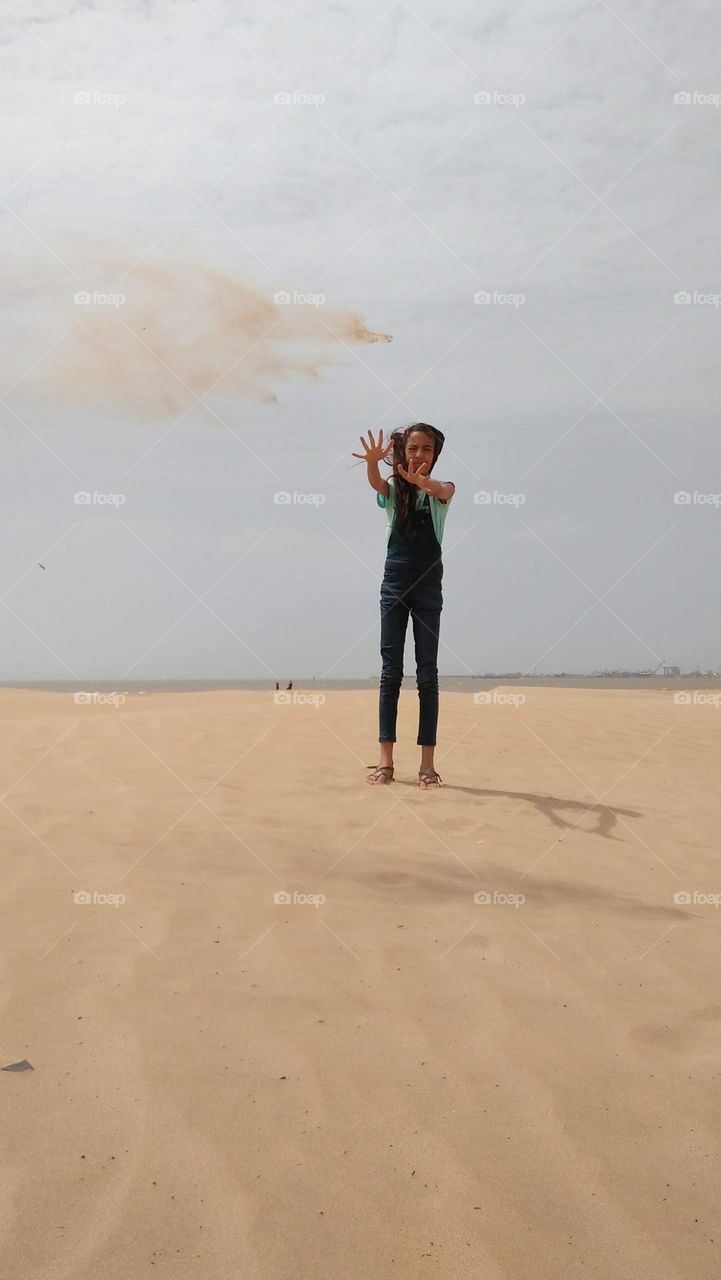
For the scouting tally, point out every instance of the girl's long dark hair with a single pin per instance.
(406, 492)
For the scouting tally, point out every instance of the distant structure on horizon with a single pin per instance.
(616, 673)
(662, 666)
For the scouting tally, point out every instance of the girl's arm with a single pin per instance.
(442, 491)
(376, 480)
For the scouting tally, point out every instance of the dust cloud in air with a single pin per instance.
(155, 334)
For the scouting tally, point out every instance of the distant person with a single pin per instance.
(416, 507)
(277, 685)
(290, 686)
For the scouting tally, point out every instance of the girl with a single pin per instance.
(416, 507)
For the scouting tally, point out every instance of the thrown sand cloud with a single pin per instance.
(155, 335)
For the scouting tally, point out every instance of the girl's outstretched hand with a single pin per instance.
(416, 474)
(373, 452)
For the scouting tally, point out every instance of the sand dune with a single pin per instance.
(396, 1081)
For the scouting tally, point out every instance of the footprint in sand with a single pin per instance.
(696, 1034)
(476, 942)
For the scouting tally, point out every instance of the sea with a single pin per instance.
(448, 684)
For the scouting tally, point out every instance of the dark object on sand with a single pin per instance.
(19, 1066)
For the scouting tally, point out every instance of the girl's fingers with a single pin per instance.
(375, 447)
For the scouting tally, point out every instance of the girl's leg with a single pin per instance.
(427, 606)
(426, 633)
(394, 622)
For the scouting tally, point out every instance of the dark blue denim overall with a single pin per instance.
(412, 582)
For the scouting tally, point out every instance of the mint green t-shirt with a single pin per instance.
(439, 509)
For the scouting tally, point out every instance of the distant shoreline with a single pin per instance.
(448, 684)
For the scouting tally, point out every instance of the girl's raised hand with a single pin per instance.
(373, 452)
(417, 473)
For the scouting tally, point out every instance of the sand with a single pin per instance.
(394, 1082)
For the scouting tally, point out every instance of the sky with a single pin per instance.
(524, 198)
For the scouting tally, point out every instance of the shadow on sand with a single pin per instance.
(548, 806)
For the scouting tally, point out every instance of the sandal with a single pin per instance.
(375, 778)
(433, 779)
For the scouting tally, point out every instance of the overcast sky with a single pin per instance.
(395, 162)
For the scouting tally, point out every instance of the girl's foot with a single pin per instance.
(429, 778)
(381, 773)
